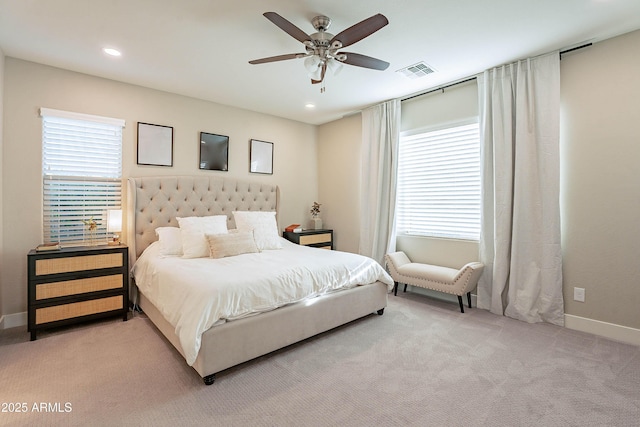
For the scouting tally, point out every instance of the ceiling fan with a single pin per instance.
(322, 47)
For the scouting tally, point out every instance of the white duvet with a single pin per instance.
(196, 294)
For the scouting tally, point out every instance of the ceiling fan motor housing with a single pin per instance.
(321, 23)
(321, 42)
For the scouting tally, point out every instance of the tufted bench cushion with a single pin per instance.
(434, 277)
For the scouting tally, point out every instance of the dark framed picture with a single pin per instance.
(214, 152)
(261, 157)
(155, 145)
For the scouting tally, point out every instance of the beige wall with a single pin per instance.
(454, 104)
(2, 168)
(600, 188)
(339, 180)
(600, 183)
(29, 86)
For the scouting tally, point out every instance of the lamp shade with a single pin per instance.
(114, 220)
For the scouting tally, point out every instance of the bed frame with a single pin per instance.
(156, 202)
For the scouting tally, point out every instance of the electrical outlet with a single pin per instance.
(578, 294)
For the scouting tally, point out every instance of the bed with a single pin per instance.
(228, 339)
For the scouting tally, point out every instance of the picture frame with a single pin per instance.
(261, 157)
(155, 145)
(214, 152)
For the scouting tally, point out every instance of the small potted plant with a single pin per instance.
(316, 221)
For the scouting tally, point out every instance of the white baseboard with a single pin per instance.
(611, 331)
(13, 320)
(607, 330)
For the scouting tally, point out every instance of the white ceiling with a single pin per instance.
(201, 48)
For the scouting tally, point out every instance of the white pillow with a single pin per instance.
(170, 240)
(235, 242)
(264, 226)
(193, 230)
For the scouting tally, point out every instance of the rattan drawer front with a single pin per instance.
(76, 309)
(315, 238)
(79, 286)
(77, 263)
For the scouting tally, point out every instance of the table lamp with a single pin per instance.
(114, 225)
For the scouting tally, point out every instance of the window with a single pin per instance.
(439, 183)
(81, 172)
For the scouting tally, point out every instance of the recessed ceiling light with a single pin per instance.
(111, 51)
(309, 105)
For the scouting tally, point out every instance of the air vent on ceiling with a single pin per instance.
(416, 71)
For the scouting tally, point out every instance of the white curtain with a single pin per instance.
(379, 170)
(520, 238)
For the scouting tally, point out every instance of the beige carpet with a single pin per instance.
(421, 363)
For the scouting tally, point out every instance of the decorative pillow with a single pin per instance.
(170, 240)
(235, 242)
(193, 230)
(264, 226)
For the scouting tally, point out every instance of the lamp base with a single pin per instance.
(316, 223)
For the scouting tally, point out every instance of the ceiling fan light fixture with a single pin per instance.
(313, 64)
(334, 66)
(316, 75)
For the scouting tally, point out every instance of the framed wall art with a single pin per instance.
(261, 157)
(155, 145)
(214, 152)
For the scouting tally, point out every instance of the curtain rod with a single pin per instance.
(562, 52)
(442, 88)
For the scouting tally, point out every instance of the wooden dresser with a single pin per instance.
(76, 284)
(315, 238)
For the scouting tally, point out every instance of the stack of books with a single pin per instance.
(53, 246)
(293, 228)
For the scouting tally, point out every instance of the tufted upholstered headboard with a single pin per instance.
(156, 202)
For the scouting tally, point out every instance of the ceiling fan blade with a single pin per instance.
(362, 29)
(287, 27)
(277, 58)
(324, 69)
(364, 61)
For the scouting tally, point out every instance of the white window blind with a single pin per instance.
(81, 171)
(439, 183)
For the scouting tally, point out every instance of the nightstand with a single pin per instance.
(315, 238)
(77, 284)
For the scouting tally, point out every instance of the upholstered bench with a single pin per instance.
(434, 277)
